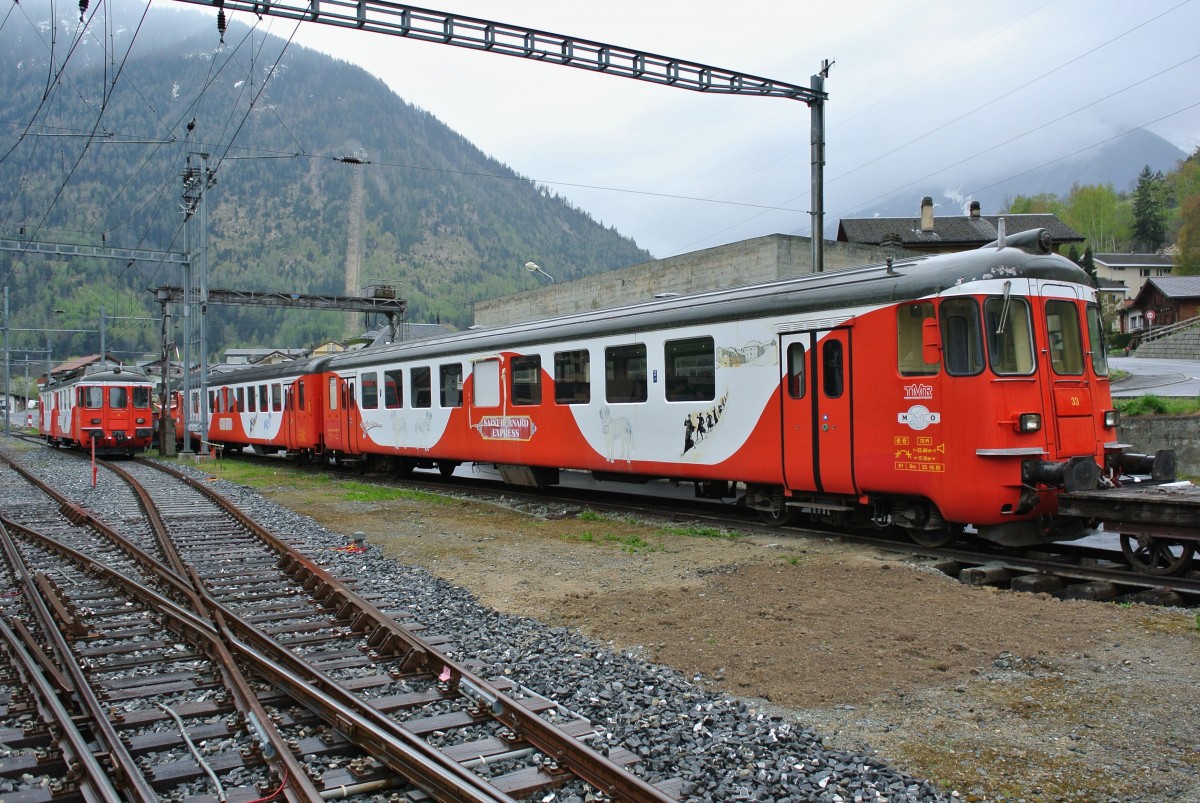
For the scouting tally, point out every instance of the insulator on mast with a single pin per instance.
(83, 6)
(221, 24)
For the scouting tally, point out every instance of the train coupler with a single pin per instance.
(1160, 466)
(1077, 474)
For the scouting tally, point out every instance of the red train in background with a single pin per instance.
(927, 393)
(105, 407)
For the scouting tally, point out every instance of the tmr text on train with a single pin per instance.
(927, 393)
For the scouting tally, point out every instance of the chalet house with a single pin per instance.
(1171, 299)
(927, 234)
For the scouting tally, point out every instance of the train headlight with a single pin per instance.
(1112, 418)
(1029, 422)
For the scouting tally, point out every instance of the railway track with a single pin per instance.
(192, 623)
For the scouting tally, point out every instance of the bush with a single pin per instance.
(1157, 405)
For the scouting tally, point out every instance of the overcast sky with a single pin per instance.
(924, 96)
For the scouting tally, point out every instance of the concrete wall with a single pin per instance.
(1149, 433)
(763, 259)
(1181, 345)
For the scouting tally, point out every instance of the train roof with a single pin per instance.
(98, 372)
(894, 281)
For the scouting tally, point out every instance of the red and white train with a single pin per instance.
(106, 407)
(929, 393)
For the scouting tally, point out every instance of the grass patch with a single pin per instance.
(699, 532)
(363, 492)
(1158, 405)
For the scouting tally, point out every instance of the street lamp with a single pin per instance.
(533, 268)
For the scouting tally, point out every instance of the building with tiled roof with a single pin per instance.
(1170, 298)
(1132, 270)
(930, 234)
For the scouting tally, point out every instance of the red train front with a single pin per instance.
(106, 407)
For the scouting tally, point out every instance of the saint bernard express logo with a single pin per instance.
(506, 428)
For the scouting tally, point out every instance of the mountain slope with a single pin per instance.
(290, 137)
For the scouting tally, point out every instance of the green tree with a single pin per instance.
(1187, 261)
(1150, 207)
(1093, 211)
(1044, 203)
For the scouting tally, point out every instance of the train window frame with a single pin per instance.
(625, 374)
(118, 397)
(91, 397)
(796, 370)
(141, 397)
(420, 380)
(833, 368)
(524, 391)
(1010, 338)
(393, 388)
(301, 401)
(450, 385)
(1064, 342)
(573, 376)
(688, 381)
(264, 399)
(969, 350)
(910, 339)
(368, 390)
(332, 395)
(485, 382)
(1097, 344)
(276, 397)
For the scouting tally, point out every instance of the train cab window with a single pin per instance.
(1062, 331)
(910, 339)
(393, 389)
(625, 373)
(962, 347)
(368, 391)
(795, 370)
(451, 383)
(422, 386)
(1096, 345)
(141, 396)
(691, 369)
(1009, 335)
(276, 396)
(118, 398)
(92, 397)
(833, 369)
(526, 378)
(572, 377)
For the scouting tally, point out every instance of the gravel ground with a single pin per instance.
(781, 669)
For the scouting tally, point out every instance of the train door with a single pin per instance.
(1065, 359)
(818, 432)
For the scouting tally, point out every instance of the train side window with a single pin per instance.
(276, 396)
(1009, 335)
(118, 398)
(1062, 330)
(141, 396)
(422, 386)
(572, 377)
(93, 397)
(526, 379)
(795, 370)
(625, 373)
(263, 404)
(393, 389)
(910, 320)
(962, 347)
(451, 384)
(332, 395)
(485, 387)
(691, 369)
(300, 402)
(1096, 344)
(833, 373)
(368, 390)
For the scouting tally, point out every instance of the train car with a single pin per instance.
(106, 407)
(929, 393)
(271, 409)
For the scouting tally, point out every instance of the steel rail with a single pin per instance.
(386, 634)
(127, 774)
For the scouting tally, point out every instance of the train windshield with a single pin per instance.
(1009, 335)
(1096, 343)
(141, 396)
(118, 398)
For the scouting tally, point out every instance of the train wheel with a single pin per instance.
(775, 518)
(446, 468)
(1161, 556)
(937, 537)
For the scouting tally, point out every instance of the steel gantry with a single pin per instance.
(473, 33)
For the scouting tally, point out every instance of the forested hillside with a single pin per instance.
(314, 160)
